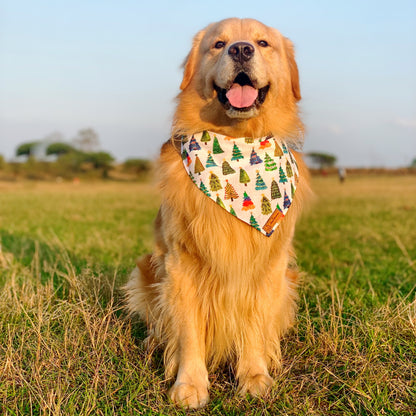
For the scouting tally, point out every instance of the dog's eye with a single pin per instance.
(220, 44)
(262, 43)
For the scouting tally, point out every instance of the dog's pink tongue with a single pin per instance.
(241, 96)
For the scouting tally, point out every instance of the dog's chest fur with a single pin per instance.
(230, 248)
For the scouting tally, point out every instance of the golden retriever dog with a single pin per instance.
(215, 289)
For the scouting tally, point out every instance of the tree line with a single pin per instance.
(53, 156)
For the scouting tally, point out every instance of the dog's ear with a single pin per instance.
(191, 60)
(293, 69)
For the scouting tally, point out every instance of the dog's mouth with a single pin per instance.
(241, 97)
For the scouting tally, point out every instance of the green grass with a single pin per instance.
(67, 349)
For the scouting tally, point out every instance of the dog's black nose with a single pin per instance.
(241, 51)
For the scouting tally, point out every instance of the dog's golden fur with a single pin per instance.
(214, 288)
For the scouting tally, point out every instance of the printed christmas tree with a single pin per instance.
(244, 178)
(249, 140)
(286, 202)
(199, 167)
(230, 192)
(204, 189)
(278, 208)
(214, 182)
(232, 212)
(266, 208)
(284, 148)
(226, 168)
(282, 176)
(237, 155)
(192, 178)
(254, 223)
(193, 145)
(219, 202)
(254, 158)
(247, 203)
(278, 152)
(270, 163)
(292, 159)
(259, 182)
(292, 189)
(205, 137)
(210, 161)
(185, 155)
(216, 148)
(289, 171)
(275, 191)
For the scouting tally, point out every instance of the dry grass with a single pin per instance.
(66, 349)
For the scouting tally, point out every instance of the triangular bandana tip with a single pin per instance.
(253, 179)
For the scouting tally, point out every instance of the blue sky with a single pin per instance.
(115, 66)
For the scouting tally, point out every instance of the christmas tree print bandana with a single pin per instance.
(253, 179)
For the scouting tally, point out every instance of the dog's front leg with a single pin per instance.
(261, 347)
(252, 373)
(191, 386)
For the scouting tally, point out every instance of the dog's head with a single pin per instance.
(240, 68)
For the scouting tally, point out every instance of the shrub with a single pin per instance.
(100, 160)
(138, 166)
(323, 160)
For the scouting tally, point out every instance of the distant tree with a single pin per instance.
(2, 162)
(413, 165)
(71, 162)
(100, 160)
(27, 149)
(80, 161)
(137, 166)
(59, 148)
(324, 160)
(87, 140)
(38, 148)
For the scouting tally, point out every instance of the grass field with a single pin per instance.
(67, 349)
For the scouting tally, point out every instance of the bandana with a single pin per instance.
(252, 179)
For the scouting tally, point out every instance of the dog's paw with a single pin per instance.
(258, 385)
(189, 395)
